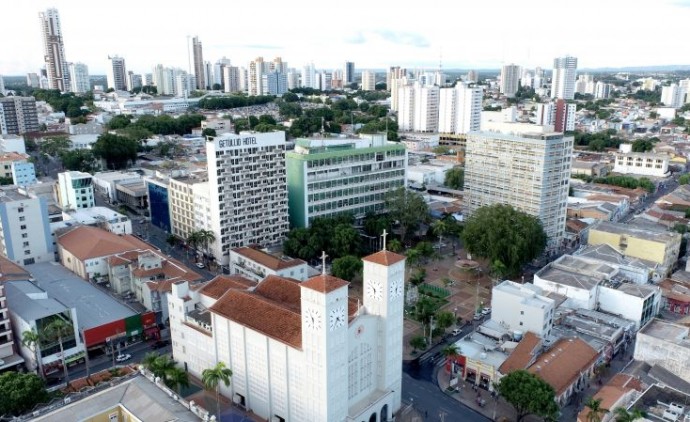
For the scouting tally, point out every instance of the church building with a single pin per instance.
(297, 349)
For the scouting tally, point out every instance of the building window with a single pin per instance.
(27, 252)
(20, 209)
(22, 218)
(25, 244)
(522, 312)
(23, 227)
(25, 235)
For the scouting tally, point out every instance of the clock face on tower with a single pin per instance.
(312, 319)
(374, 290)
(396, 289)
(337, 318)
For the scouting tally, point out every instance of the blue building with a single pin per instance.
(159, 208)
(23, 173)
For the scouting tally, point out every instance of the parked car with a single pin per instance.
(486, 311)
(123, 357)
(160, 344)
(456, 331)
(199, 265)
(477, 316)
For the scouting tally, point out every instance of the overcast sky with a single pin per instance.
(372, 33)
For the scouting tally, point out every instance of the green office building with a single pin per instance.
(330, 176)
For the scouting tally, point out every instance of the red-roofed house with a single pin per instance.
(299, 351)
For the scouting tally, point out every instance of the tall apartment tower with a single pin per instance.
(256, 71)
(394, 72)
(309, 76)
(24, 228)
(54, 50)
(368, 80)
(460, 108)
(563, 78)
(117, 73)
(198, 64)
(247, 176)
(349, 73)
(18, 115)
(79, 77)
(510, 77)
(672, 96)
(231, 79)
(525, 166)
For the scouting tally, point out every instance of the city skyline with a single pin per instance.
(479, 37)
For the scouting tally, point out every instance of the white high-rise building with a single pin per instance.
(218, 70)
(685, 90)
(293, 79)
(602, 90)
(256, 72)
(563, 78)
(75, 190)
(231, 79)
(299, 351)
(368, 80)
(309, 76)
(249, 204)
(184, 83)
(460, 109)
(134, 80)
(199, 64)
(510, 77)
(24, 228)
(79, 78)
(274, 83)
(117, 73)
(672, 96)
(57, 69)
(418, 108)
(326, 80)
(32, 80)
(525, 166)
(2, 85)
(394, 88)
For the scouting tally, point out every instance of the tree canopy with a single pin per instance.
(334, 235)
(455, 178)
(528, 394)
(19, 393)
(233, 101)
(116, 150)
(408, 209)
(347, 267)
(502, 233)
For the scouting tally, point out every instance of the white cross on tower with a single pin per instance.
(323, 262)
(383, 235)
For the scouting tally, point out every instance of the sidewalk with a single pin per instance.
(497, 410)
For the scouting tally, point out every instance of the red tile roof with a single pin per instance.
(523, 355)
(267, 260)
(324, 283)
(86, 242)
(384, 258)
(261, 314)
(281, 290)
(10, 271)
(561, 365)
(222, 283)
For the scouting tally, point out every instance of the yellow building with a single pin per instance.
(661, 247)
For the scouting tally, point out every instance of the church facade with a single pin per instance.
(298, 349)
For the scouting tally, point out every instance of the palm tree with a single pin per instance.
(623, 415)
(440, 229)
(596, 412)
(31, 339)
(212, 378)
(193, 239)
(159, 365)
(450, 351)
(206, 237)
(395, 245)
(176, 378)
(59, 328)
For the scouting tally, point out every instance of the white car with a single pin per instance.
(486, 311)
(122, 358)
(199, 265)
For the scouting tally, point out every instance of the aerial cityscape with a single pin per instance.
(403, 228)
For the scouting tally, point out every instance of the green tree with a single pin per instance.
(642, 145)
(290, 97)
(347, 267)
(120, 121)
(455, 178)
(441, 150)
(345, 241)
(79, 160)
(417, 343)
(53, 146)
(444, 319)
(684, 179)
(213, 377)
(20, 393)
(176, 378)
(172, 240)
(60, 328)
(624, 415)
(395, 245)
(32, 340)
(596, 412)
(502, 233)
(298, 244)
(528, 394)
(408, 209)
(116, 150)
(450, 351)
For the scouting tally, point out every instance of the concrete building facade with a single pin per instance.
(75, 190)
(522, 308)
(24, 228)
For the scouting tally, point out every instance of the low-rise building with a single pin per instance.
(598, 210)
(661, 247)
(428, 174)
(567, 366)
(255, 264)
(619, 391)
(675, 293)
(522, 308)
(6, 161)
(221, 126)
(9, 358)
(102, 217)
(479, 360)
(12, 143)
(24, 228)
(637, 270)
(665, 344)
(133, 194)
(105, 182)
(641, 163)
(75, 190)
(662, 403)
